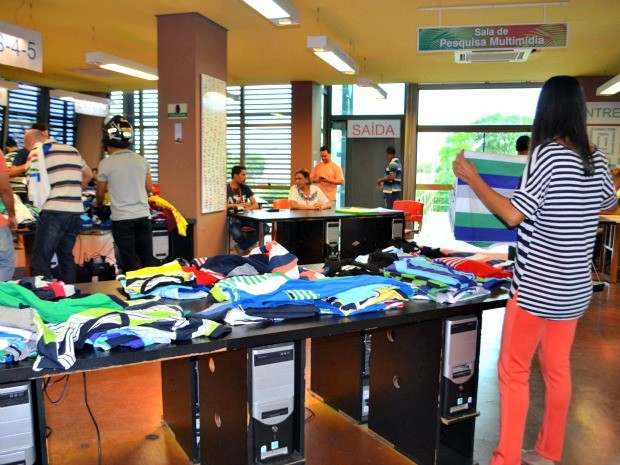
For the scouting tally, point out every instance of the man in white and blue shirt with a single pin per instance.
(391, 183)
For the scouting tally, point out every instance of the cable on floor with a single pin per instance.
(47, 383)
(312, 414)
(94, 421)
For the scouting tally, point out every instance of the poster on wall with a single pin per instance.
(213, 144)
(606, 139)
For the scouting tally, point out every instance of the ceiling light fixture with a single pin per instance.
(121, 65)
(84, 103)
(369, 84)
(326, 50)
(279, 12)
(611, 87)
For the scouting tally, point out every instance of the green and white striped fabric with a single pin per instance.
(471, 219)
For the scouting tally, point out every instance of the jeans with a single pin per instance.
(7, 254)
(247, 240)
(389, 199)
(56, 234)
(134, 240)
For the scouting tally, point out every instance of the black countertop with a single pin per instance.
(243, 337)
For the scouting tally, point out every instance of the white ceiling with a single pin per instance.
(381, 35)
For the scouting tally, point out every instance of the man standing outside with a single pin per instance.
(391, 183)
(57, 174)
(523, 145)
(127, 177)
(7, 251)
(327, 175)
(240, 196)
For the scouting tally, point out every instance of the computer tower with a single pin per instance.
(398, 228)
(272, 400)
(332, 239)
(459, 362)
(161, 249)
(16, 425)
(343, 381)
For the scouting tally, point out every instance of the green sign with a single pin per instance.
(445, 39)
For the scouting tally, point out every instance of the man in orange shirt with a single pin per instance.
(327, 175)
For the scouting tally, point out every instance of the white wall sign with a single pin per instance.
(4, 97)
(213, 151)
(20, 47)
(177, 110)
(88, 107)
(606, 138)
(603, 112)
(373, 128)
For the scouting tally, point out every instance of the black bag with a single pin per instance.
(95, 267)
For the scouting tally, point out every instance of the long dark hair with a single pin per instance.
(561, 114)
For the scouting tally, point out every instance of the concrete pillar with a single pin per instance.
(306, 125)
(188, 45)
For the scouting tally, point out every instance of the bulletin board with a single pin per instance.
(213, 144)
(607, 139)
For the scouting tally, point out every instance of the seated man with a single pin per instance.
(240, 196)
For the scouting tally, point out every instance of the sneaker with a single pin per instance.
(531, 457)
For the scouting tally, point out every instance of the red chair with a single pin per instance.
(414, 213)
(281, 204)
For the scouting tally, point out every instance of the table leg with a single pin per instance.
(615, 256)
(261, 233)
(28, 248)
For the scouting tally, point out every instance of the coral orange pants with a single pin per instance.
(522, 335)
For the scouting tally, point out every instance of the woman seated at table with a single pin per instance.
(306, 196)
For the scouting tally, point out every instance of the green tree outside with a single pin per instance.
(484, 141)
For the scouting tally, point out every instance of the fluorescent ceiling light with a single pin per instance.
(121, 65)
(326, 50)
(367, 83)
(611, 87)
(279, 12)
(230, 97)
(10, 85)
(84, 103)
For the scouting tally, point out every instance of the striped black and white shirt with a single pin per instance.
(555, 242)
(64, 165)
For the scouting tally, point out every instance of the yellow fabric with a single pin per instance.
(166, 268)
(161, 203)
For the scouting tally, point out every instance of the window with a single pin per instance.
(23, 111)
(62, 121)
(259, 137)
(356, 100)
(140, 109)
(476, 119)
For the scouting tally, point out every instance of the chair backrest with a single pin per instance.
(414, 210)
(282, 204)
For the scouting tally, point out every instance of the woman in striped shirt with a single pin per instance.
(565, 185)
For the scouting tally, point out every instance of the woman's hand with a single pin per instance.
(464, 169)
